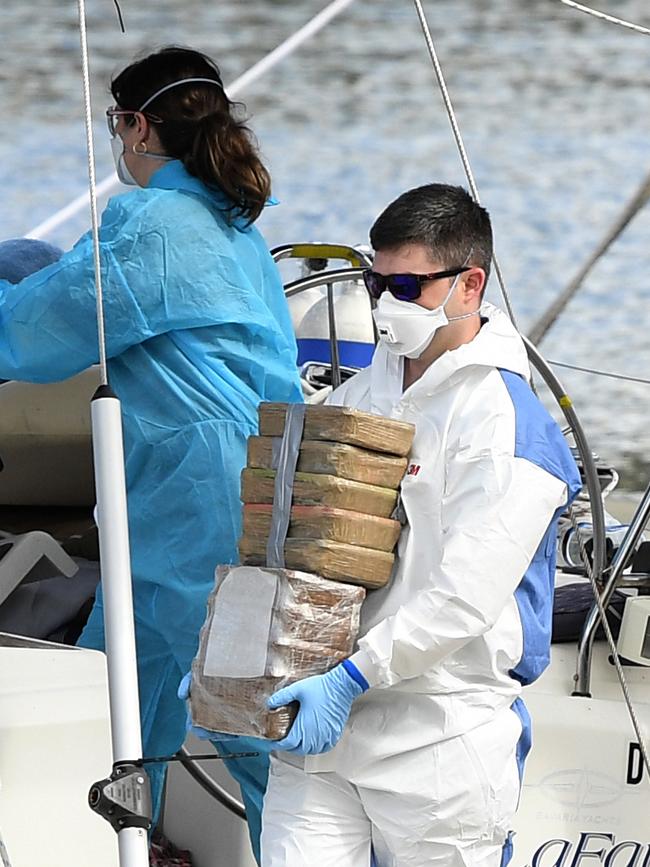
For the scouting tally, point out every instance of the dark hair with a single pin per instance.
(197, 124)
(443, 218)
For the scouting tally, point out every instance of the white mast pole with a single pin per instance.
(124, 799)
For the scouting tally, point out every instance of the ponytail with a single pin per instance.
(224, 154)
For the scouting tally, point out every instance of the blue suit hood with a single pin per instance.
(174, 176)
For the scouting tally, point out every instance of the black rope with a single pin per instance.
(151, 760)
(119, 16)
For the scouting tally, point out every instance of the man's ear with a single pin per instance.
(473, 284)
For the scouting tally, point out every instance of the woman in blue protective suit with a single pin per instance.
(197, 333)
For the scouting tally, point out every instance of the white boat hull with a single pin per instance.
(585, 798)
(54, 743)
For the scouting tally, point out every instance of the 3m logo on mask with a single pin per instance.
(413, 470)
(386, 333)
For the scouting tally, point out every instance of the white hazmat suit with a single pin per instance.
(428, 767)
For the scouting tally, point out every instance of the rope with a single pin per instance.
(92, 192)
(459, 141)
(600, 372)
(256, 71)
(603, 15)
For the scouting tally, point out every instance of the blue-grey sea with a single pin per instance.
(554, 107)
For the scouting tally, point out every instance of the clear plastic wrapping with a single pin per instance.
(266, 628)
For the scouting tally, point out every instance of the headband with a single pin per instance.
(176, 84)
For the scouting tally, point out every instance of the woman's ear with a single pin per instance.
(141, 126)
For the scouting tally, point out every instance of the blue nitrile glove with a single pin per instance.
(325, 704)
(262, 745)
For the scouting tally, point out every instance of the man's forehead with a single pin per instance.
(413, 257)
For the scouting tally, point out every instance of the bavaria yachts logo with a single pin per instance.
(578, 788)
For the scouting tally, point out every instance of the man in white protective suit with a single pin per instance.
(414, 747)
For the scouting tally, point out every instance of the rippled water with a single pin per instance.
(553, 106)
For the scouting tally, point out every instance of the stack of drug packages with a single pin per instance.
(319, 492)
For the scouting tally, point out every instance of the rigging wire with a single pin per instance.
(101, 336)
(459, 141)
(605, 17)
(555, 309)
(597, 372)
(120, 17)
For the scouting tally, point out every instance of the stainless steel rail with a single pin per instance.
(621, 560)
(322, 278)
(589, 465)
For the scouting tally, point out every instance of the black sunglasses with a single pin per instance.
(404, 287)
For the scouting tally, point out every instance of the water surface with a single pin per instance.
(553, 106)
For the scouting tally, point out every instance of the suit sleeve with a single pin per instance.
(158, 274)
(496, 510)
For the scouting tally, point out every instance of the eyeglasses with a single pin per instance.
(113, 115)
(404, 287)
(112, 118)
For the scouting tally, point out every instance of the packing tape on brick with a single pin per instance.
(276, 446)
(284, 475)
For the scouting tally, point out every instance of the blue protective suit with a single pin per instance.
(198, 333)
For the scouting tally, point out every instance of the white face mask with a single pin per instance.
(123, 173)
(407, 329)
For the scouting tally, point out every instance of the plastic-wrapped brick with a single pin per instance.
(316, 489)
(266, 628)
(323, 522)
(331, 458)
(333, 560)
(343, 425)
